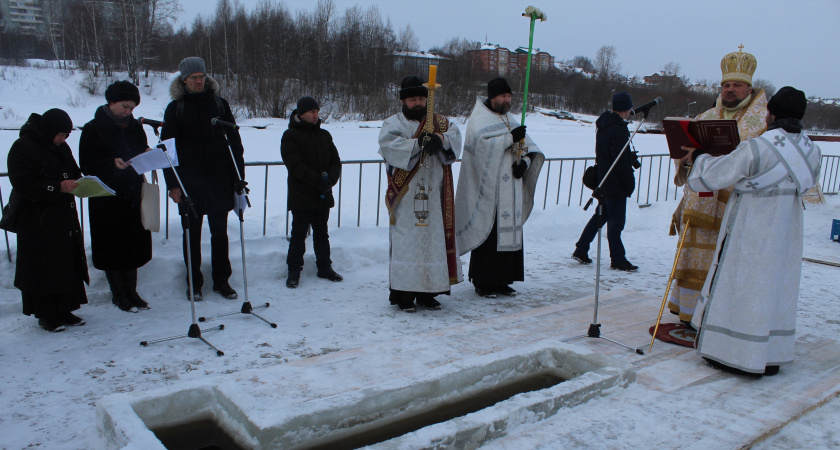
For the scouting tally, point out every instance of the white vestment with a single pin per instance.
(748, 306)
(418, 260)
(487, 190)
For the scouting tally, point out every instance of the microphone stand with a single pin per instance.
(186, 208)
(241, 191)
(595, 327)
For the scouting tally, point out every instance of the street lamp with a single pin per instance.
(688, 108)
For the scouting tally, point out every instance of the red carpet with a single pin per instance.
(675, 333)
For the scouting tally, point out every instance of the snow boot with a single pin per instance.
(130, 277)
(118, 295)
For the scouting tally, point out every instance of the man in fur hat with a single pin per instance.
(205, 167)
(495, 192)
(748, 304)
(423, 258)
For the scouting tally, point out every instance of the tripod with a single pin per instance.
(595, 327)
(186, 208)
(241, 202)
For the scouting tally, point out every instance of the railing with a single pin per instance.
(560, 182)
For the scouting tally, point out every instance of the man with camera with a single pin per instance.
(610, 138)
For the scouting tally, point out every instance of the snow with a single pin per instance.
(52, 382)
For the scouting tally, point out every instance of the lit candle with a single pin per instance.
(432, 75)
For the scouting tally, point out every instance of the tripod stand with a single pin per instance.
(595, 327)
(186, 208)
(240, 204)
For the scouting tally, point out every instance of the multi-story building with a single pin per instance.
(492, 58)
(29, 17)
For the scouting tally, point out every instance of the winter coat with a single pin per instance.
(205, 164)
(308, 151)
(610, 138)
(118, 239)
(50, 247)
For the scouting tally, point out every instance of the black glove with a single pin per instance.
(241, 187)
(518, 133)
(324, 185)
(433, 143)
(519, 168)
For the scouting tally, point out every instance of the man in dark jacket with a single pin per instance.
(610, 139)
(51, 267)
(314, 168)
(205, 167)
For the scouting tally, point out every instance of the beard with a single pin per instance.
(416, 113)
(501, 108)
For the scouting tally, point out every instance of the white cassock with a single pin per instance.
(749, 300)
(418, 259)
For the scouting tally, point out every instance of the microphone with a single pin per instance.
(150, 122)
(647, 106)
(215, 121)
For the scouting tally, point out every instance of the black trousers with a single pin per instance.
(219, 257)
(302, 219)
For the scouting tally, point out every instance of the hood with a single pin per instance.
(32, 129)
(609, 118)
(177, 89)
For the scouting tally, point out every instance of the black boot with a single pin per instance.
(130, 277)
(118, 295)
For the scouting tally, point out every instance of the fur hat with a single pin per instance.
(122, 90)
(55, 121)
(497, 86)
(621, 101)
(412, 86)
(191, 65)
(788, 103)
(306, 104)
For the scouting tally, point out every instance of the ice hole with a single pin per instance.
(204, 434)
(461, 404)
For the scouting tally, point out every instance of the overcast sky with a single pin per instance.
(795, 42)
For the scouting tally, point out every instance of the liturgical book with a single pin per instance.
(714, 136)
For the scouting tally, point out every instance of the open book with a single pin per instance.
(714, 136)
(92, 186)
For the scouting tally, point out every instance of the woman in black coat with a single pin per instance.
(119, 243)
(51, 268)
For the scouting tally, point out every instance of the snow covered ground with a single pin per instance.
(51, 382)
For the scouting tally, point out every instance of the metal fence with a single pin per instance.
(560, 183)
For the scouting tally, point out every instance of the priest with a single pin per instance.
(748, 303)
(495, 194)
(423, 257)
(703, 210)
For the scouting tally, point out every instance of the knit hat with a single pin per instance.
(788, 103)
(497, 86)
(122, 90)
(191, 65)
(306, 104)
(622, 102)
(412, 86)
(55, 121)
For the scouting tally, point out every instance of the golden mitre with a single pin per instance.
(738, 66)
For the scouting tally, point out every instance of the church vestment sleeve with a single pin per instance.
(712, 173)
(395, 148)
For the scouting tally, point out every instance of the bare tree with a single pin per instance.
(407, 41)
(606, 63)
(583, 63)
(760, 83)
(671, 69)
